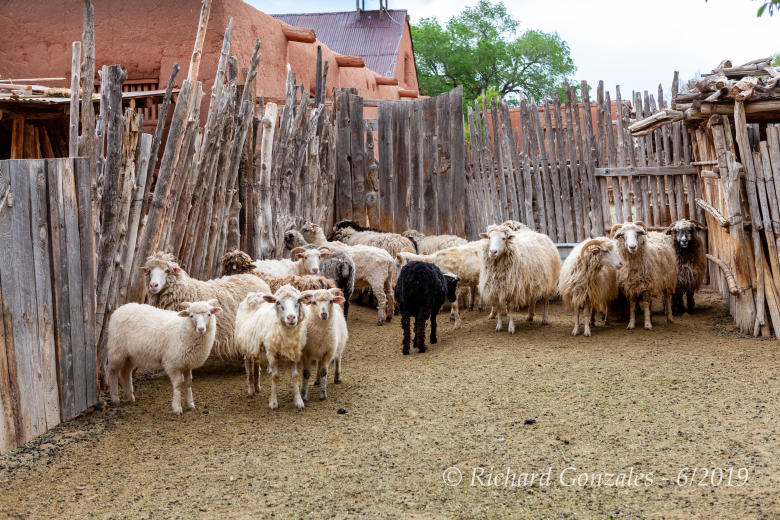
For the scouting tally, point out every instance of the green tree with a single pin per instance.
(769, 6)
(481, 50)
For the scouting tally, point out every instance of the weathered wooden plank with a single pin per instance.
(540, 174)
(430, 218)
(402, 171)
(602, 159)
(569, 217)
(45, 354)
(372, 178)
(578, 190)
(343, 157)
(416, 202)
(73, 127)
(458, 159)
(444, 163)
(505, 199)
(543, 145)
(487, 162)
(628, 171)
(589, 156)
(386, 165)
(357, 154)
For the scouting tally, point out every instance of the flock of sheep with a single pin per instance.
(293, 311)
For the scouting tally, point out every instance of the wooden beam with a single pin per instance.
(298, 34)
(630, 171)
(383, 80)
(200, 38)
(714, 213)
(342, 60)
(730, 280)
(406, 93)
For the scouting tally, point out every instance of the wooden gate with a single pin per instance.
(47, 349)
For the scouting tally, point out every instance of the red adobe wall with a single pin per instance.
(147, 36)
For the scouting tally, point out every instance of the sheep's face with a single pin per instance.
(311, 231)
(604, 252)
(200, 313)
(158, 273)
(497, 241)
(631, 236)
(452, 285)
(310, 258)
(293, 239)
(683, 233)
(288, 303)
(322, 301)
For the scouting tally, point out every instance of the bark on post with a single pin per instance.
(73, 130)
(265, 218)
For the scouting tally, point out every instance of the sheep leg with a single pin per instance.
(492, 312)
(576, 329)
(322, 374)
(691, 303)
(256, 365)
(546, 313)
(455, 314)
(603, 319)
(645, 304)
(587, 320)
(405, 326)
(434, 339)
(306, 374)
(499, 324)
(531, 311)
(346, 309)
(177, 381)
(632, 314)
(317, 373)
(273, 403)
(677, 303)
(188, 384)
(511, 327)
(113, 384)
(126, 374)
(296, 385)
(392, 307)
(419, 334)
(381, 303)
(251, 382)
(337, 376)
(668, 300)
(470, 299)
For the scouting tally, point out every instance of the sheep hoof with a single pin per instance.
(648, 326)
(191, 406)
(630, 326)
(337, 381)
(575, 331)
(406, 351)
(389, 318)
(323, 396)
(452, 317)
(177, 409)
(457, 324)
(272, 404)
(587, 332)
(434, 340)
(317, 382)
(471, 308)
(511, 329)
(423, 349)
(379, 323)
(480, 308)
(299, 403)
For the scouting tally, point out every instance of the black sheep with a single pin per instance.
(691, 262)
(420, 291)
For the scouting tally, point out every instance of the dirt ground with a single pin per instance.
(641, 409)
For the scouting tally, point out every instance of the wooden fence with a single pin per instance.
(571, 177)
(48, 370)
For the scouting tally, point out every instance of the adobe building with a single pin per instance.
(147, 36)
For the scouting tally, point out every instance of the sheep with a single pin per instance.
(649, 268)
(272, 328)
(169, 285)
(236, 262)
(588, 279)
(515, 225)
(302, 283)
(304, 261)
(326, 338)
(421, 290)
(352, 234)
(144, 336)
(374, 268)
(691, 262)
(518, 268)
(338, 266)
(463, 261)
(428, 244)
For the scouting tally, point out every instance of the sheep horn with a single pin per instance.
(641, 224)
(614, 228)
(297, 250)
(586, 245)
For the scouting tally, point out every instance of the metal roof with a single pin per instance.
(374, 35)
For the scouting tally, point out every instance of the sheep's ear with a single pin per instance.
(697, 227)
(269, 298)
(324, 254)
(184, 305)
(338, 299)
(307, 298)
(587, 246)
(143, 269)
(614, 228)
(298, 256)
(641, 224)
(176, 270)
(184, 314)
(483, 235)
(215, 310)
(213, 302)
(669, 231)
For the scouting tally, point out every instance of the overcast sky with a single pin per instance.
(631, 43)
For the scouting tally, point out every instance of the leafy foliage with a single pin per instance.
(479, 49)
(769, 6)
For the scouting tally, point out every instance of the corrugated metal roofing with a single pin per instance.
(374, 35)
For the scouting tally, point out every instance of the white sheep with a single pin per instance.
(352, 234)
(649, 268)
(464, 261)
(428, 244)
(303, 262)
(374, 268)
(518, 268)
(272, 328)
(150, 338)
(326, 337)
(588, 279)
(169, 285)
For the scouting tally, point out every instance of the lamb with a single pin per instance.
(518, 268)
(304, 261)
(272, 328)
(649, 268)
(428, 244)
(326, 338)
(338, 266)
(374, 268)
(352, 234)
(144, 336)
(588, 279)
(463, 261)
(691, 262)
(169, 285)
(421, 290)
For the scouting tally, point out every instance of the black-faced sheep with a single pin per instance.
(588, 279)
(518, 269)
(421, 290)
(151, 338)
(691, 262)
(649, 268)
(169, 285)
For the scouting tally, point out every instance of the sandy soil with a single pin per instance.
(643, 404)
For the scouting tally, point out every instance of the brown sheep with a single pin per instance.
(691, 262)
